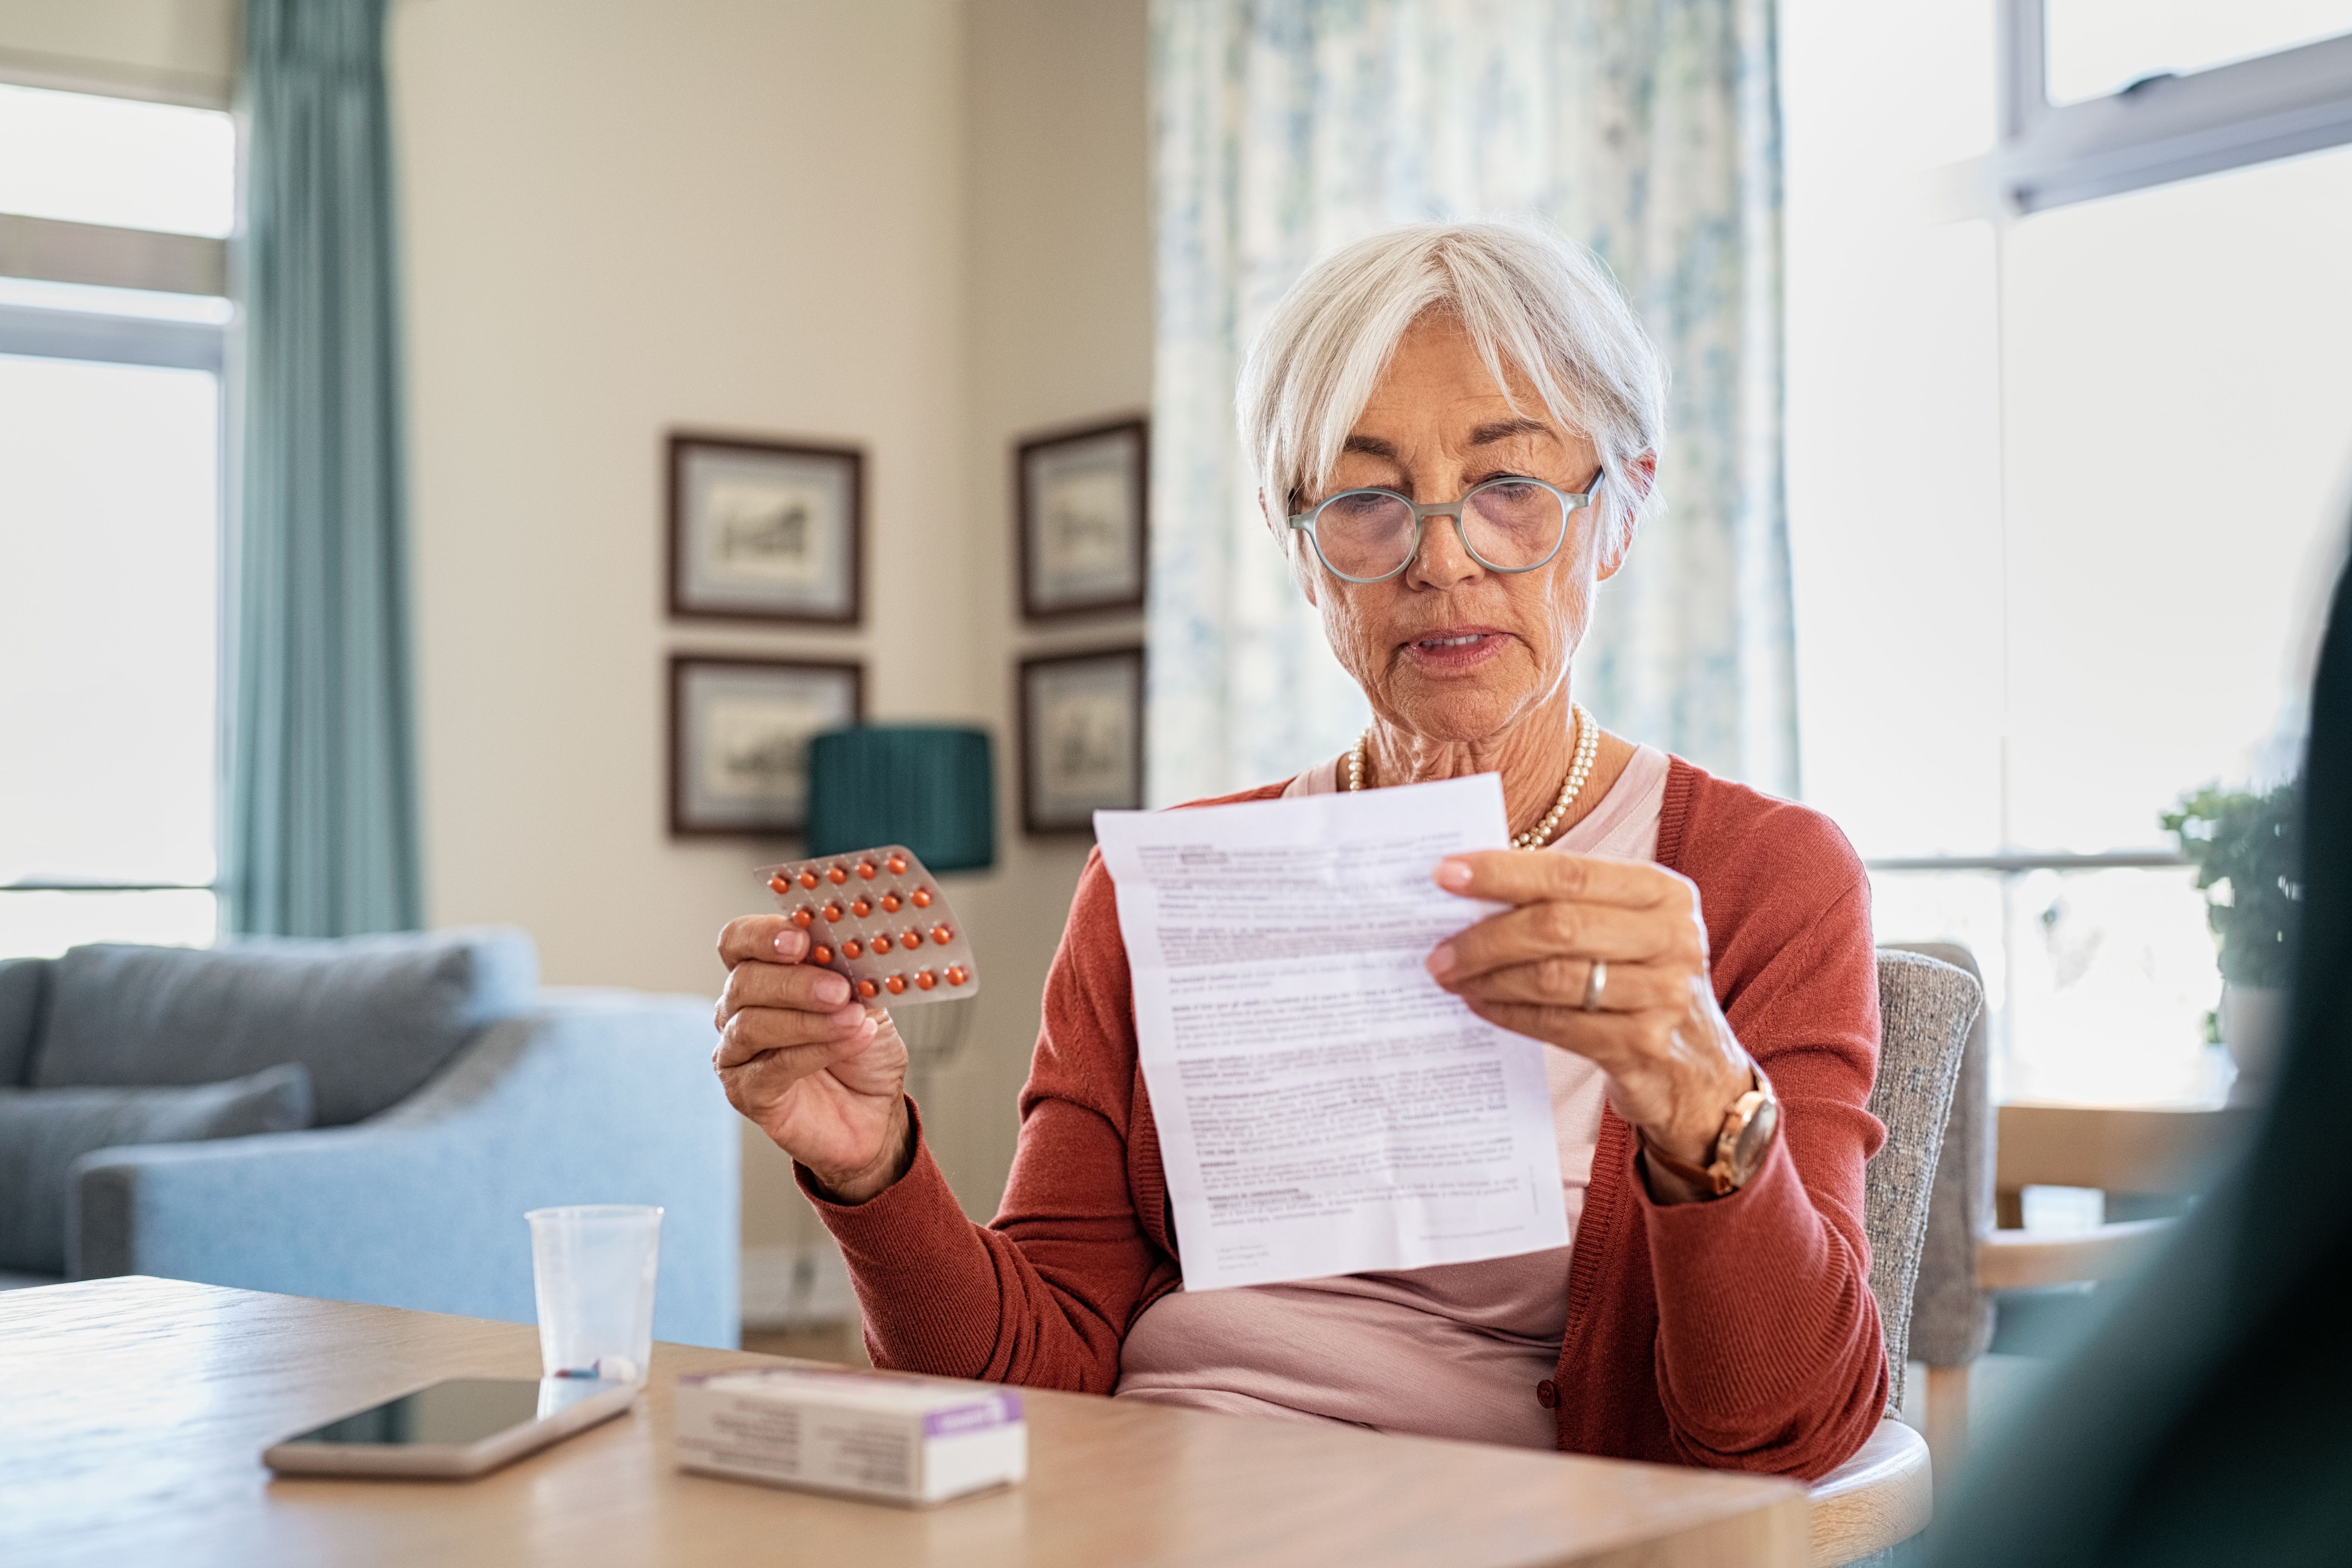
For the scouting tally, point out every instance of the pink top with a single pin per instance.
(1457, 1345)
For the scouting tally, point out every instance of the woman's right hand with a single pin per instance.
(817, 1072)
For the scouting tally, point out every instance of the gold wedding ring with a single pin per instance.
(1594, 985)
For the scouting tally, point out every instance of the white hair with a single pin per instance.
(1530, 299)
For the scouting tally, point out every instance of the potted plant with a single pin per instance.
(2248, 852)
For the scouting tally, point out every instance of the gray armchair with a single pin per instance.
(451, 1095)
(1883, 1497)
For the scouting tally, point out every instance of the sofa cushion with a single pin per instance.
(22, 983)
(44, 1130)
(373, 1017)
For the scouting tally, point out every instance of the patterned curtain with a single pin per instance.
(1648, 130)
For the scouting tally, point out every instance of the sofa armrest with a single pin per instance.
(592, 1097)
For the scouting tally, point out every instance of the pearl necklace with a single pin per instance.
(1580, 768)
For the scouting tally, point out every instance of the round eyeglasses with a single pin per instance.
(1508, 525)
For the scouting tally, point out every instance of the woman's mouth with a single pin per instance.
(1455, 647)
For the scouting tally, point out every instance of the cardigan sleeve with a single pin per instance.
(1043, 1294)
(1768, 1352)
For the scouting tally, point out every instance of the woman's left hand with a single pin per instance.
(1675, 1067)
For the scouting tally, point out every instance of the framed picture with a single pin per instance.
(765, 530)
(1081, 519)
(1081, 738)
(739, 739)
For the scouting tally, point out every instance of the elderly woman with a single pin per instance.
(1455, 428)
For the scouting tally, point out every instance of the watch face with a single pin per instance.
(1755, 1140)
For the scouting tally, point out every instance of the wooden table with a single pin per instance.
(134, 1412)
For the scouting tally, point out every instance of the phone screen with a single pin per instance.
(462, 1411)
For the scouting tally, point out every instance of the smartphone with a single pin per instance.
(463, 1427)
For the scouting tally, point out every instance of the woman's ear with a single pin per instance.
(1294, 551)
(1641, 473)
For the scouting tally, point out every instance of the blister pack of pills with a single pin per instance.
(879, 918)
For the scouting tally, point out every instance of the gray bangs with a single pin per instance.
(1532, 303)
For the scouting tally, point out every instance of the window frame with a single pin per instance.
(53, 251)
(2155, 130)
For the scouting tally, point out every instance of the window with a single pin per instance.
(2095, 48)
(112, 310)
(2070, 458)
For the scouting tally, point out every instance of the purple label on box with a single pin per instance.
(995, 1410)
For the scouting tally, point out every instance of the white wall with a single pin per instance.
(914, 225)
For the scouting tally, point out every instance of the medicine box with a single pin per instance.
(900, 1439)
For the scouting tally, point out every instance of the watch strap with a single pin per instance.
(1723, 1177)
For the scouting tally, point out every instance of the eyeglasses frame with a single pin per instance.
(1570, 501)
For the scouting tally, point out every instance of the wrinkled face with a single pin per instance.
(1449, 649)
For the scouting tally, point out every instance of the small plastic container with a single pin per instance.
(593, 1267)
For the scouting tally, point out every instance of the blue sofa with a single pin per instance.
(443, 1093)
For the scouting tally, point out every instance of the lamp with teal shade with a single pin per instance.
(931, 788)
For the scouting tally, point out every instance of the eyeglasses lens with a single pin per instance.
(1512, 526)
(1370, 534)
(1364, 534)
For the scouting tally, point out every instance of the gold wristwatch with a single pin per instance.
(1739, 1148)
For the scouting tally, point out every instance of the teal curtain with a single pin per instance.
(322, 820)
(1648, 130)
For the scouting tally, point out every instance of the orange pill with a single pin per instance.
(821, 955)
(850, 949)
(778, 885)
(958, 974)
(867, 988)
(911, 940)
(894, 984)
(833, 912)
(837, 875)
(921, 897)
(808, 878)
(897, 863)
(804, 918)
(861, 908)
(889, 903)
(925, 979)
(941, 935)
(866, 870)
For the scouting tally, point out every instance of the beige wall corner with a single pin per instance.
(918, 226)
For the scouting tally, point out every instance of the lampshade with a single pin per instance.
(931, 788)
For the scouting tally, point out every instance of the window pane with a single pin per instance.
(1893, 423)
(108, 539)
(1881, 89)
(2097, 983)
(2180, 427)
(2097, 46)
(2110, 976)
(114, 161)
(43, 925)
(1895, 525)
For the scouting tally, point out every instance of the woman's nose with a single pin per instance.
(1443, 561)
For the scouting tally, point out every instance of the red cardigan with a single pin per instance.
(1739, 1333)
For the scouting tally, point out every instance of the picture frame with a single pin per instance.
(1081, 737)
(1082, 512)
(739, 735)
(765, 529)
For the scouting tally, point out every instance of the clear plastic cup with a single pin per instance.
(593, 1267)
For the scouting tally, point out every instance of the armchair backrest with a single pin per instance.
(371, 1017)
(1926, 1008)
(1952, 1315)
